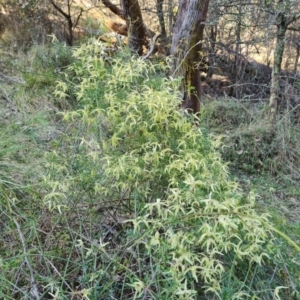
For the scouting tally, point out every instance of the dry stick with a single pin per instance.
(152, 46)
(34, 290)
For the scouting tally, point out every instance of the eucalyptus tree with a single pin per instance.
(186, 50)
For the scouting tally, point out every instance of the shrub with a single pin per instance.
(188, 232)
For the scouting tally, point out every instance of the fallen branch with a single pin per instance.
(114, 8)
(153, 41)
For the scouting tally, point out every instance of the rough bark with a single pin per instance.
(186, 50)
(121, 28)
(137, 34)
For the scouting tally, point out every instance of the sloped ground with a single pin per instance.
(268, 165)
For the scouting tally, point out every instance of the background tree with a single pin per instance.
(71, 24)
(283, 18)
(161, 18)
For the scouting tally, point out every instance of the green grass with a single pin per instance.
(267, 164)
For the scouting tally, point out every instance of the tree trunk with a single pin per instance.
(212, 52)
(297, 57)
(170, 16)
(278, 54)
(134, 20)
(233, 91)
(161, 19)
(114, 8)
(186, 50)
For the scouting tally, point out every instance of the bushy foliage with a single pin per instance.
(186, 225)
(251, 146)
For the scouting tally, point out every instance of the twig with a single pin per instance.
(152, 46)
(34, 289)
(78, 17)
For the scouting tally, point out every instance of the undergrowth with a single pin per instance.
(131, 199)
(249, 144)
